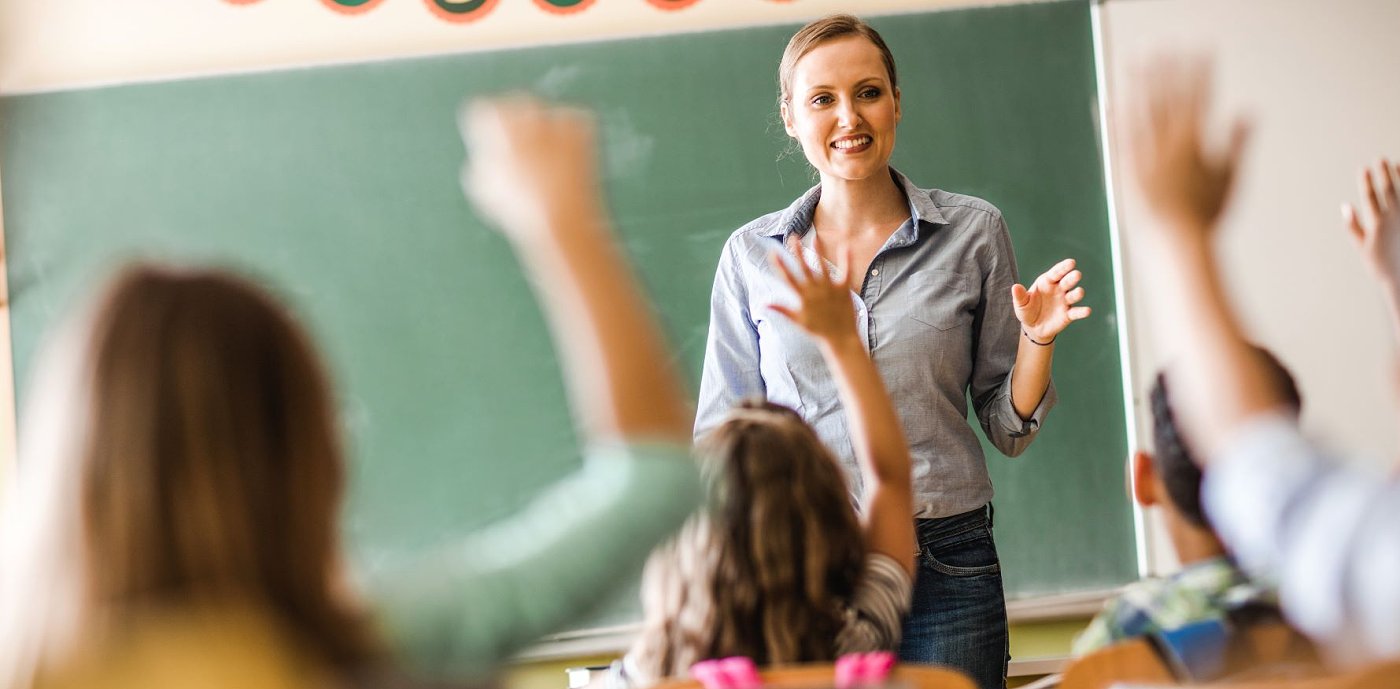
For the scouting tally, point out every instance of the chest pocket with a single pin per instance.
(942, 299)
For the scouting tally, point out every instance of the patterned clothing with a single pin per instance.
(1201, 591)
(873, 619)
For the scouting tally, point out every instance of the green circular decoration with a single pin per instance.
(460, 7)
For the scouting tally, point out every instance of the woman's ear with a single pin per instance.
(786, 113)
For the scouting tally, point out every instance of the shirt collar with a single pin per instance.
(798, 217)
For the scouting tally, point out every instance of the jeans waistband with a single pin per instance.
(930, 531)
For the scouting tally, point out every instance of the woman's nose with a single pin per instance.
(846, 114)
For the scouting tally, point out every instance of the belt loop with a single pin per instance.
(991, 515)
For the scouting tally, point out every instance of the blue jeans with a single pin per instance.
(959, 612)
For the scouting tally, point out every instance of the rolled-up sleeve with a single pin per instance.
(731, 370)
(994, 352)
(469, 606)
(1328, 535)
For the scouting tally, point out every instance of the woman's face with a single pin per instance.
(842, 109)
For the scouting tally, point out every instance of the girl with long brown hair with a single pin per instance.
(781, 568)
(181, 454)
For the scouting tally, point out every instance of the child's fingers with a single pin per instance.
(1353, 224)
(776, 259)
(1387, 185)
(1368, 195)
(784, 311)
(1074, 296)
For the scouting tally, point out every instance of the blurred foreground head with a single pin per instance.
(179, 451)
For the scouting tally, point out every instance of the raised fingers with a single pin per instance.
(1368, 196)
(1353, 223)
(1058, 271)
(1071, 279)
(1079, 313)
(775, 258)
(1387, 190)
(1074, 296)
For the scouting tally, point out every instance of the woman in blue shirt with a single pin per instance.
(938, 308)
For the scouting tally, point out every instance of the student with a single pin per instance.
(942, 312)
(1328, 534)
(1209, 585)
(780, 568)
(182, 453)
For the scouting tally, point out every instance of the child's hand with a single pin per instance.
(1048, 307)
(1378, 236)
(824, 306)
(529, 164)
(1184, 182)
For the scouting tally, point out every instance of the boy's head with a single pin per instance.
(1171, 476)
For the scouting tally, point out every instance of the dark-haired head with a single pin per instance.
(1173, 460)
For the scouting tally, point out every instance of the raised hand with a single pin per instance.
(531, 167)
(1185, 182)
(1048, 306)
(1378, 233)
(824, 308)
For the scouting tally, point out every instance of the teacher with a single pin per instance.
(938, 307)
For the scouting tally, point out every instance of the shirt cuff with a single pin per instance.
(1007, 421)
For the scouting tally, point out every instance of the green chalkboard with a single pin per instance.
(338, 186)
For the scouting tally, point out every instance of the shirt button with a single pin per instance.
(874, 272)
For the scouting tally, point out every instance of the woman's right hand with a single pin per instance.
(824, 308)
(531, 167)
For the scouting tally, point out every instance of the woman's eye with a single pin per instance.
(821, 100)
(871, 92)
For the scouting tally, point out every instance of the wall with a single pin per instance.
(47, 45)
(1317, 80)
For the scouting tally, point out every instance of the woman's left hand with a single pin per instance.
(1048, 306)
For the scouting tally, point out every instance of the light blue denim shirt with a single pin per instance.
(935, 313)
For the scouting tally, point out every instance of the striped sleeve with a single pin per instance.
(877, 609)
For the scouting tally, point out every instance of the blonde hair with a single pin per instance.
(828, 28)
(203, 467)
(769, 569)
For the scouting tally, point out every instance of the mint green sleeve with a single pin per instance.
(463, 609)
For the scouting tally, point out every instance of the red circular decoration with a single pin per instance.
(572, 9)
(241, 2)
(672, 5)
(481, 10)
(352, 9)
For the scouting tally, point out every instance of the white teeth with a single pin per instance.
(852, 143)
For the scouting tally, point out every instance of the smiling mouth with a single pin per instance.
(854, 144)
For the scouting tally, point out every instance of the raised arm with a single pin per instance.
(533, 173)
(1377, 235)
(824, 311)
(471, 604)
(1186, 184)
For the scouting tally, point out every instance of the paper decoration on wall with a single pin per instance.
(463, 11)
(564, 6)
(351, 6)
